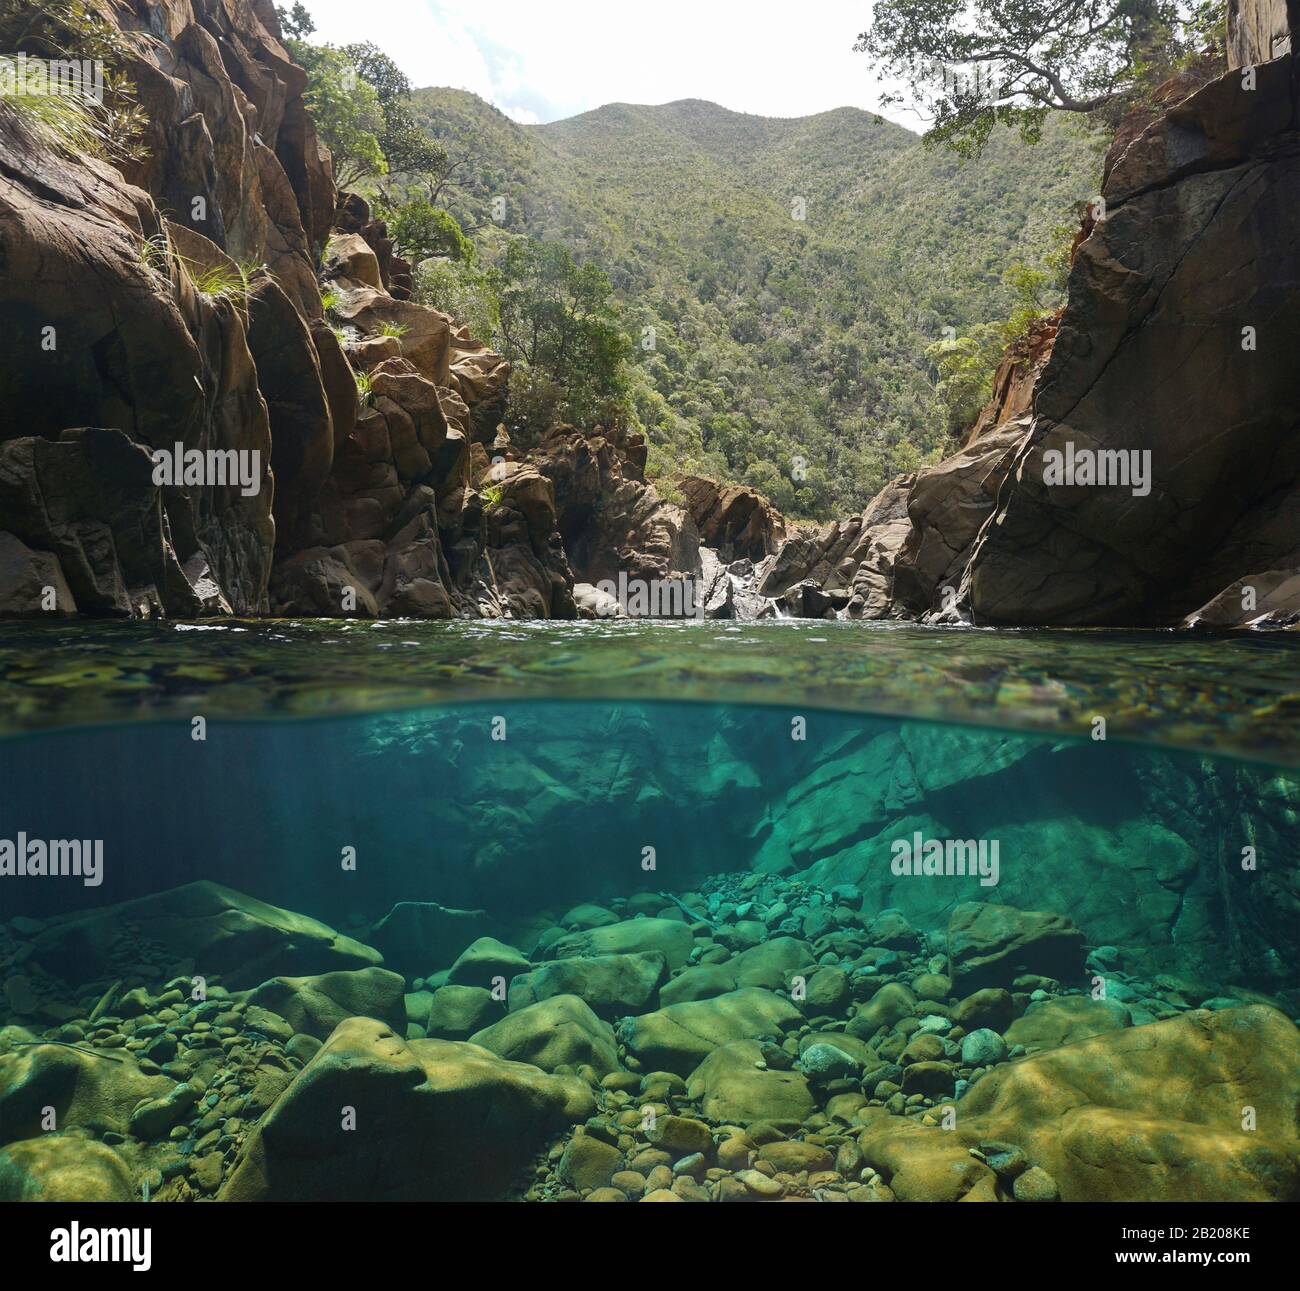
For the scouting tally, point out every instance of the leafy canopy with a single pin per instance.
(558, 320)
(969, 65)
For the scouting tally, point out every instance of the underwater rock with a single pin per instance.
(669, 937)
(681, 1036)
(1155, 1113)
(920, 1163)
(561, 1031)
(1048, 1024)
(485, 960)
(316, 1005)
(59, 1167)
(888, 1006)
(225, 933)
(417, 936)
(456, 1012)
(156, 1116)
(732, 1088)
(88, 1091)
(435, 1120)
(611, 985)
(1150, 1113)
(588, 1162)
(990, 945)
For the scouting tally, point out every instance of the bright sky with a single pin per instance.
(542, 60)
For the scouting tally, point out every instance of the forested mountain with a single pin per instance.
(793, 272)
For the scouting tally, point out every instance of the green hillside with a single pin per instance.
(789, 353)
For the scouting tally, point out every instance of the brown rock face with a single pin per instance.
(1170, 376)
(737, 522)
(121, 338)
(1173, 352)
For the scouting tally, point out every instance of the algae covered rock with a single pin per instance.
(559, 1032)
(1157, 1112)
(485, 961)
(57, 1167)
(377, 1117)
(1064, 1020)
(456, 1012)
(1201, 1107)
(734, 1086)
(669, 937)
(224, 932)
(611, 985)
(86, 1090)
(680, 1037)
(991, 945)
(316, 1005)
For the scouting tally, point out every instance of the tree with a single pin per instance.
(973, 64)
(559, 322)
(422, 230)
(295, 22)
(346, 109)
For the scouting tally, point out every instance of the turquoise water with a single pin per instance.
(804, 804)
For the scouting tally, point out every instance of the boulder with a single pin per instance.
(484, 962)
(734, 1086)
(611, 985)
(1064, 1020)
(990, 945)
(669, 937)
(88, 1091)
(680, 1037)
(456, 1012)
(435, 1120)
(1155, 1113)
(558, 1032)
(62, 1168)
(733, 519)
(222, 931)
(316, 1005)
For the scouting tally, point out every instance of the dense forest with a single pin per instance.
(807, 299)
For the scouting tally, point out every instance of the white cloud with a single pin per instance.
(541, 60)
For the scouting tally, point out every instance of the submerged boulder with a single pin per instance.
(558, 1032)
(485, 961)
(734, 1086)
(431, 1120)
(1202, 1107)
(669, 937)
(87, 1090)
(63, 1168)
(316, 1005)
(611, 985)
(221, 931)
(990, 945)
(680, 1037)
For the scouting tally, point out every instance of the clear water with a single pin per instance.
(345, 769)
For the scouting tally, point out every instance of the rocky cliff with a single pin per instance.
(1142, 467)
(1139, 462)
(171, 303)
